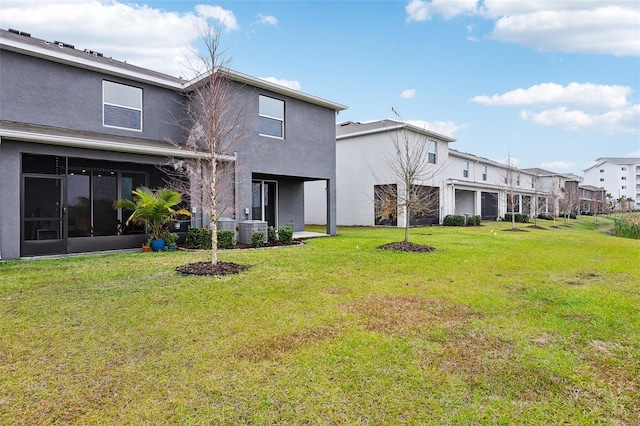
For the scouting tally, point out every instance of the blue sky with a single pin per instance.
(553, 83)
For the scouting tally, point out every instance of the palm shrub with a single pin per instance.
(153, 208)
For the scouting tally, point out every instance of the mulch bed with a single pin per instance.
(407, 247)
(208, 268)
(515, 230)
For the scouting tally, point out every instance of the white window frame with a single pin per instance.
(432, 152)
(270, 117)
(485, 172)
(105, 84)
(465, 169)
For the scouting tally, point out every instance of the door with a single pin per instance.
(42, 216)
(265, 202)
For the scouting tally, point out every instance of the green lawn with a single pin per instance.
(493, 328)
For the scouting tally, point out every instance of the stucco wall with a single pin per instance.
(46, 93)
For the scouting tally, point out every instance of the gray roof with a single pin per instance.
(355, 128)
(67, 54)
(56, 47)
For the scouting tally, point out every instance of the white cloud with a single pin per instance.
(446, 128)
(588, 96)
(558, 165)
(420, 10)
(584, 107)
(291, 84)
(224, 17)
(587, 26)
(267, 20)
(622, 121)
(143, 36)
(408, 94)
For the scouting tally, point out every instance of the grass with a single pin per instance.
(492, 328)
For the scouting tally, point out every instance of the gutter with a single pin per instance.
(106, 145)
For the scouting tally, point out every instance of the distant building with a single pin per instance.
(619, 177)
(461, 183)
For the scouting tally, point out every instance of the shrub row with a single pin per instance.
(519, 217)
(459, 220)
(627, 227)
(200, 238)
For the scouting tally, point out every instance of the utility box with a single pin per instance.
(248, 227)
(226, 223)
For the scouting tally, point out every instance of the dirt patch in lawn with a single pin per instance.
(278, 346)
(405, 314)
(407, 247)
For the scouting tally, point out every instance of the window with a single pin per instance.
(433, 146)
(624, 178)
(601, 179)
(624, 187)
(465, 169)
(601, 170)
(121, 106)
(484, 172)
(271, 117)
(624, 169)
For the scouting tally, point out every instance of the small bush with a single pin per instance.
(272, 235)
(519, 217)
(257, 239)
(628, 227)
(474, 220)
(453, 220)
(226, 238)
(285, 234)
(198, 238)
(545, 216)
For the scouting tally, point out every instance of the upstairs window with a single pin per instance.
(601, 170)
(433, 147)
(121, 106)
(484, 172)
(624, 169)
(271, 117)
(465, 169)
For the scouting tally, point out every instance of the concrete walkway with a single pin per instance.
(305, 234)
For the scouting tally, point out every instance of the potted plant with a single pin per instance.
(153, 209)
(146, 247)
(170, 238)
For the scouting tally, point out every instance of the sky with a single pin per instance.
(549, 83)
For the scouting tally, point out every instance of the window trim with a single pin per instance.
(485, 172)
(465, 169)
(432, 150)
(126, 107)
(270, 117)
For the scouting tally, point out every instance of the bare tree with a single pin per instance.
(553, 193)
(512, 181)
(413, 164)
(213, 113)
(571, 200)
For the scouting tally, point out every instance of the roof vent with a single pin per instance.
(22, 33)
(61, 44)
(91, 52)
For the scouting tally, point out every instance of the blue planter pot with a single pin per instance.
(157, 245)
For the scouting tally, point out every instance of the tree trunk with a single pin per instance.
(214, 214)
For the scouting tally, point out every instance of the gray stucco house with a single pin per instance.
(79, 130)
